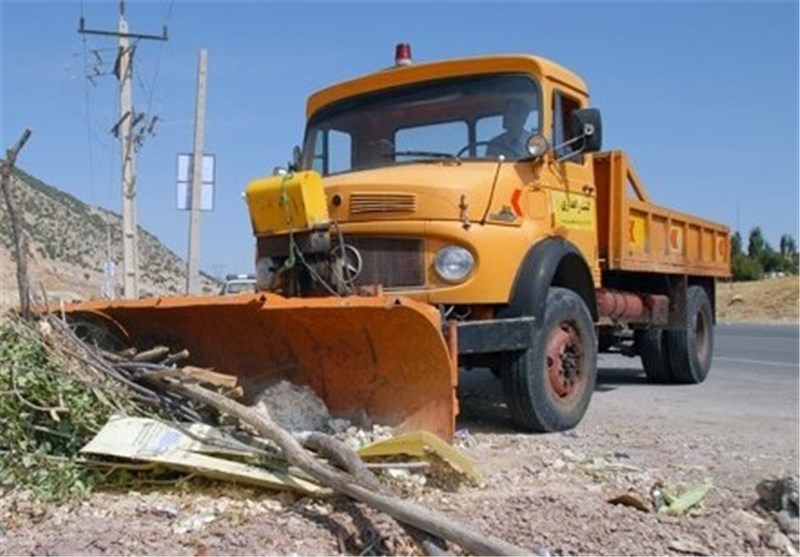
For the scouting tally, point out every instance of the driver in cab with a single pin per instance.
(513, 143)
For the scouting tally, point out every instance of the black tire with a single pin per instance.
(545, 398)
(605, 339)
(689, 349)
(650, 344)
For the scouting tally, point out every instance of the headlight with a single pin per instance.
(453, 263)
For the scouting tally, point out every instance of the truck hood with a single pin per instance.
(433, 190)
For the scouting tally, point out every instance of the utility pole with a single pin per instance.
(195, 199)
(124, 128)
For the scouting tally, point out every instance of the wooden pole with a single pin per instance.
(195, 200)
(20, 244)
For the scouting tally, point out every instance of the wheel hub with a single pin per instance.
(564, 358)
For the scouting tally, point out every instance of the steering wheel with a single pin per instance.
(469, 146)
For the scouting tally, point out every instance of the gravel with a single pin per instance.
(550, 491)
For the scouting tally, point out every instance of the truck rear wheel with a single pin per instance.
(549, 385)
(650, 344)
(689, 349)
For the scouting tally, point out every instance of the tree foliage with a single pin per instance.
(761, 258)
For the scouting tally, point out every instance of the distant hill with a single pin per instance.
(67, 243)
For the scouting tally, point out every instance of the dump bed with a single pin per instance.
(636, 235)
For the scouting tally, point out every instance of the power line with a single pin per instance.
(88, 115)
(167, 15)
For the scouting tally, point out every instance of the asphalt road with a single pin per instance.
(750, 395)
(752, 387)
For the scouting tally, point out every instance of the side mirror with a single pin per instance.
(297, 158)
(586, 123)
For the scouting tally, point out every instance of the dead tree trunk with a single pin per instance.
(20, 244)
(403, 511)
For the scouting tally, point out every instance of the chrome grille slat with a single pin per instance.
(391, 262)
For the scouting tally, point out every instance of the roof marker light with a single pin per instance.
(402, 54)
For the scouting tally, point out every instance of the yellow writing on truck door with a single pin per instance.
(572, 211)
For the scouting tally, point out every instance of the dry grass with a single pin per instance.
(763, 300)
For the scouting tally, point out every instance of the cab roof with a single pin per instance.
(396, 76)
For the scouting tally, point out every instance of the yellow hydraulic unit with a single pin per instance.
(292, 202)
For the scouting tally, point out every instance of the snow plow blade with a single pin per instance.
(384, 356)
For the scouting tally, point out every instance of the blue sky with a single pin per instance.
(702, 95)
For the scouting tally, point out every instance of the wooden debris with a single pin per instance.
(153, 355)
(405, 512)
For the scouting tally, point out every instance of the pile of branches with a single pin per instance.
(152, 381)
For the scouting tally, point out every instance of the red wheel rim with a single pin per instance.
(564, 361)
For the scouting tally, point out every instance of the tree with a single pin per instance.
(788, 246)
(771, 260)
(736, 244)
(755, 245)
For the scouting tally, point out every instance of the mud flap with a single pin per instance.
(384, 356)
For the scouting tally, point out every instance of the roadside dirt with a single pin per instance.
(764, 300)
(541, 491)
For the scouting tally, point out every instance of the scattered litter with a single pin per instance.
(631, 499)
(686, 546)
(744, 518)
(463, 439)
(601, 465)
(169, 510)
(357, 438)
(688, 500)
(150, 440)
(775, 494)
(736, 299)
(421, 444)
(193, 523)
(779, 497)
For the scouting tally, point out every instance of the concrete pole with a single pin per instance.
(130, 252)
(193, 272)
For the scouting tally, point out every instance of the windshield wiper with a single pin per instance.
(428, 154)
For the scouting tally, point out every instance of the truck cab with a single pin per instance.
(414, 176)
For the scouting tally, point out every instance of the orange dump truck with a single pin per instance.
(454, 214)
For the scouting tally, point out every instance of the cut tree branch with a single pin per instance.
(405, 512)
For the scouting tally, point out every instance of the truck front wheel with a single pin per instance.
(689, 348)
(549, 385)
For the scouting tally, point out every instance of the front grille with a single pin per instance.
(390, 262)
(361, 203)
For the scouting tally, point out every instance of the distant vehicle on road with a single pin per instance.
(238, 284)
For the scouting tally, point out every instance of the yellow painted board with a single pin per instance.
(419, 443)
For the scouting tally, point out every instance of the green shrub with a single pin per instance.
(48, 414)
(745, 268)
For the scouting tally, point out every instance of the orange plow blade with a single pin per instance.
(384, 355)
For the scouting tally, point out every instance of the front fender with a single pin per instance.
(550, 262)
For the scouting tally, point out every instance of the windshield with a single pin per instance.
(239, 287)
(479, 117)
